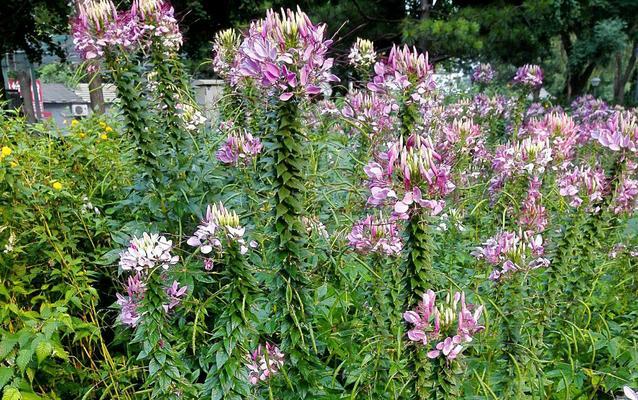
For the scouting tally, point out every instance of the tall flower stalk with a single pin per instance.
(220, 237)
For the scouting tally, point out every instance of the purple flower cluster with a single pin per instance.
(511, 252)
(175, 293)
(376, 235)
(99, 27)
(625, 199)
(451, 326)
(264, 362)
(405, 71)
(225, 46)
(483, 73)
(529, 75)
(239, 149)
(285, 53)
(533, 215)
(148, 252)
(583, 183)
(620, 132)
(371, 113)
(129, 304)
(219, 228)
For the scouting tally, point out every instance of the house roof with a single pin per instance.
(58, 93)
(108, 90)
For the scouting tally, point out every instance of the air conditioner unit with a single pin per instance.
(80, 110)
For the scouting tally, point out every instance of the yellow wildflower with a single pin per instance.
(57, 186)
(108, 129)
(74, 122)
(6, 151)
(103, 136)
(82, 135)
(13, 164)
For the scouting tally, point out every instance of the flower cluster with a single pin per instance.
(560, 129)
(533, 215)
(511, 252)
(406, 71)
(286, 53)
(225, 46)
(626, 196)
(451, 326)
(148, 252)
(129, 304)
(376, 235)
(529, 75)
(218, 226)
(362, 55)
(314, 226)
(175, 293)
(191, 117)
(370, 112)
(583, 183)
(99, 27)
(239, 149)
(619, 133)
(418, 170)
(264, 362)
(158, 25)
(483, 73)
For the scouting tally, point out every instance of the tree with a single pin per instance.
(29, 25)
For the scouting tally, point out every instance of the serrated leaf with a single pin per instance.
(11, 393)
(43, 350)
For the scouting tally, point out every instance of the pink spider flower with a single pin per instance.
(285, 53)
(405, 71)
(129, 303)
(158, 25)
(625, 200)
(452, 326)
(239, 149)
(218, 227)
(376, 235)
(529, 75)
(533, 215)
(483, 73)
(264, 362)
(175, 293)
(619, 133)
(99, 28)
(583, 184)
(225, 46)
(370, 113)
(511, 252)
(148, 252)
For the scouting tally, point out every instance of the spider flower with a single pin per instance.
(626, 197)
(159, 25)
(218, 226)
(371, 113)
(239, 149)
(406, 71)
(175, 293)
(529, 75)
(285, 54)
(376, 235)
(445, 328)
(225, 46)
(483, 73)
(583, 184)
(619, 132)
(511, 252)
(362, 55)
(99, 27)
(533, 215)
(148, 252)
(264, 362)
(129, 303)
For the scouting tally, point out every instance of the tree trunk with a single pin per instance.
(95, 89)
(425, 14)
(578, 82)
(567, 46)
(25, 91)
(622, 77)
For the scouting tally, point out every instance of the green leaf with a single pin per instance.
(43, 350)
(6, 374)
(11, 393)
(24, 357)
